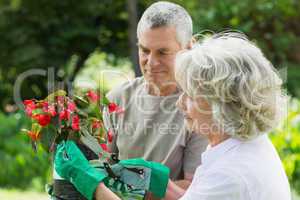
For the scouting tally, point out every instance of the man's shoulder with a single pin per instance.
(125, 89)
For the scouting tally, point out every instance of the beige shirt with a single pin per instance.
(153, 128)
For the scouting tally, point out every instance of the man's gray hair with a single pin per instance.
(241, 85)
(163, 14)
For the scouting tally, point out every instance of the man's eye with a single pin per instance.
(164, 52)
(145, 51)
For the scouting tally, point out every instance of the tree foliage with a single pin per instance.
(21, 167)
(43, 34)
(287, 141)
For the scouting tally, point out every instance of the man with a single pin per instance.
(151, 126)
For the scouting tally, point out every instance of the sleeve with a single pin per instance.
(217, 186)
(195, 146)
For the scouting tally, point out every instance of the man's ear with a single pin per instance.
(190, 44)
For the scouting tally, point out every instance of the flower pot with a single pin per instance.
(63, 189)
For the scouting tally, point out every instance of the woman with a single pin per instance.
(232, 95)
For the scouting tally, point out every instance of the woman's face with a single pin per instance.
(197, 113)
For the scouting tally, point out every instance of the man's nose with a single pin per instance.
(153, 60)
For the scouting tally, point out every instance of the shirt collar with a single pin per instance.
(214, 153)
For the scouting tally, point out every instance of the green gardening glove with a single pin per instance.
(159, 174)
(71, 164)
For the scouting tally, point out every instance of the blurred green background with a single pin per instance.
(92, 43)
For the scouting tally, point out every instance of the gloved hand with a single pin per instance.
(71, 164)
(159, 174)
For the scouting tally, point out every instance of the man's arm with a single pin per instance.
(103, 193)
(185, 183)
(195, 146)
(174, 191)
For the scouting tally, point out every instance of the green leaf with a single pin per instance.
(81, 99)
(51, 97)
(48, 135)
(105, 100)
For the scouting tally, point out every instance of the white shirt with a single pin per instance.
(240, 170)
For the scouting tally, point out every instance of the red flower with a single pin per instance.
(75, 123)
(34, 136)
(28, 102)
(43, 119)
(64, 115)
(45, 104)
(50, 109)
(119, 110)
(104, 147)
(93, 96)
(60, 100)
(71, 106)
(29, 106)
(96, 124)
(112, 107)
(110, 136)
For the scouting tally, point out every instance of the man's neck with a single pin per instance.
(157, 90)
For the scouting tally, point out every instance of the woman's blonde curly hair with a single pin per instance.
(241, 85)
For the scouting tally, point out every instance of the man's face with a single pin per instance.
(157, 52)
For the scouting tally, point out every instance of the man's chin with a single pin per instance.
(156, 80)
(155, 77)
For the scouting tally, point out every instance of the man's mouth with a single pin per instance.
(155, 72)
